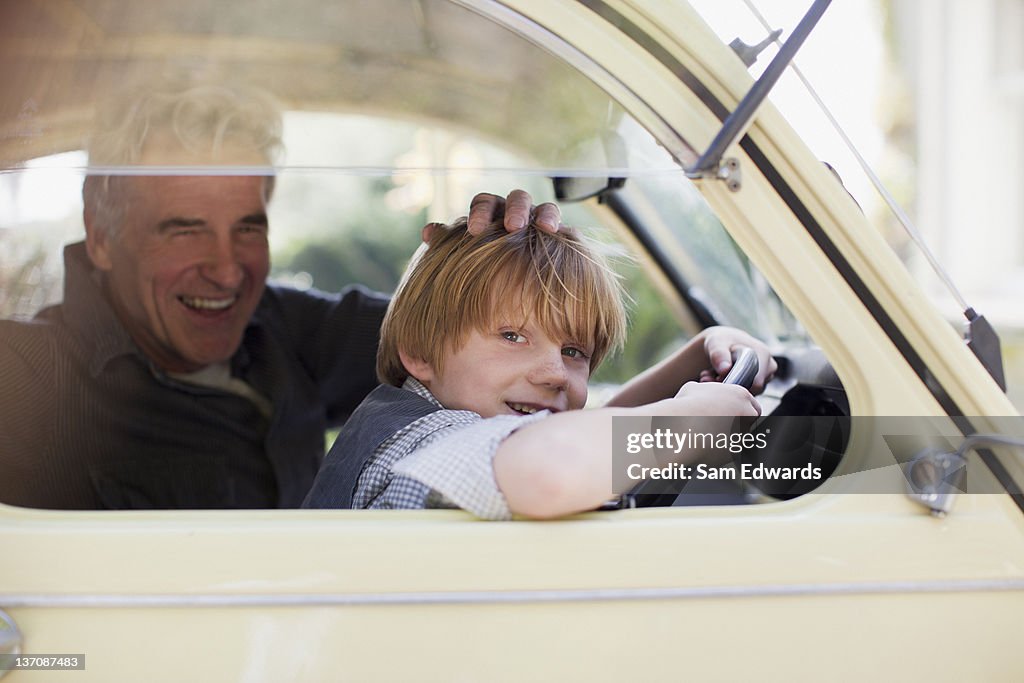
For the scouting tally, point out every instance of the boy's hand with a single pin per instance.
(720, 342)
(516, 209)
(716, 399)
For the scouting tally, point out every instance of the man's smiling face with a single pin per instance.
(187, 265)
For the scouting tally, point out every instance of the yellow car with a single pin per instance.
(904, 563)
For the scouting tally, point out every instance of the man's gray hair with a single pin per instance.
(213, 123)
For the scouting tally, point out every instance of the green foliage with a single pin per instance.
(342, 233)
(372, 257)
(653, 332)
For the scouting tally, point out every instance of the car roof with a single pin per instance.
(425, 60)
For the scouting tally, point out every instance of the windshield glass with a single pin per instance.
(430, 63)
(394, 113)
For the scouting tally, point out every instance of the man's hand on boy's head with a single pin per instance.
(516, 210)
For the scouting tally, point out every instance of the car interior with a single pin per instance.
(404, 110)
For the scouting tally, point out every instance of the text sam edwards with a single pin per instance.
(746, 471)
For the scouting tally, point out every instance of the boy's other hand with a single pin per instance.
(716, 399)
(720, 342)
(516, 209)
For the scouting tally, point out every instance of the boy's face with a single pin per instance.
(511, 370)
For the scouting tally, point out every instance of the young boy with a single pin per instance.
(485, 355)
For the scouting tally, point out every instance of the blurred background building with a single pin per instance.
(931, 92)
(961, 63)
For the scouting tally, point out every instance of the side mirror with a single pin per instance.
(576, 189)
(604, 154)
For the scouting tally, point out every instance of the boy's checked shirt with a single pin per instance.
(442, 460)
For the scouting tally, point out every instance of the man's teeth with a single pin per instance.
(207, 304)
(519, 407)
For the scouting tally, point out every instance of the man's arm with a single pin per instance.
(28, 417)
(334, 338)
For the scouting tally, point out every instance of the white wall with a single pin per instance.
(963, 62)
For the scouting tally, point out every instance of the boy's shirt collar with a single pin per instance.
(415, 386)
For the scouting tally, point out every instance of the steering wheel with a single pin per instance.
(744, 368)
(743, 371)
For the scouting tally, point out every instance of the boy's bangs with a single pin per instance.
(562, 311)
(571, 296)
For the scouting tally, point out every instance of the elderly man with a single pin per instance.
(172, 375)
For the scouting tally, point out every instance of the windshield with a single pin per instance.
(395, 113)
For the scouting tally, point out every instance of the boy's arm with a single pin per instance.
(453, 465)
(563, 464)
(710, 350)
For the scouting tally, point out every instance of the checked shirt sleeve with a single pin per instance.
(457, 463)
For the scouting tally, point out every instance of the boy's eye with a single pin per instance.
(573, 352)
(513, 337)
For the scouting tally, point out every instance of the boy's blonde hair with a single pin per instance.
(459, 282)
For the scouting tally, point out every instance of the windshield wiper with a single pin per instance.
(710, 164)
